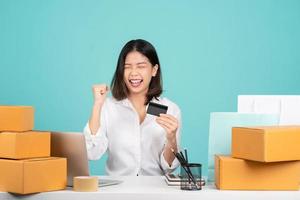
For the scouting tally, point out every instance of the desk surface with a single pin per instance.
(154, 187)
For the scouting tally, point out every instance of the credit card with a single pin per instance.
(156, 109)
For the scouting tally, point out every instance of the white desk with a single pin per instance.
(154, 188)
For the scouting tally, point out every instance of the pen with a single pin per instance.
(182, 155)
(186, 156)
(183, 163)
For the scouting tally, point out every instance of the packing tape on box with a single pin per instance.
(85, 183)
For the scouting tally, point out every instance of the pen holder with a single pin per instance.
(190, 175)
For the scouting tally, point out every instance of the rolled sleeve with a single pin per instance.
(165, 165)
(96, 144)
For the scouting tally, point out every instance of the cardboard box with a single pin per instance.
(33, 175)
(238, 174)
(30, 144)
(16, 118)
(266, 144)
(220, 130)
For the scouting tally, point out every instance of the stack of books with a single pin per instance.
(175, 180)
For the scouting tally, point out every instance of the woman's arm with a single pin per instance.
(170, 124)
(95, 131)
(100, 92)
(94, 122)
(168, 154)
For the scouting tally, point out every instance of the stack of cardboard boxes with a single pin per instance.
(25, 163)
(263, 158)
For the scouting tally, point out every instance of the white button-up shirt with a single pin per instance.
(133, 148)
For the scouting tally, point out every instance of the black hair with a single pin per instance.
(118, 86)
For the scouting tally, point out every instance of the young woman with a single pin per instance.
(137, 143)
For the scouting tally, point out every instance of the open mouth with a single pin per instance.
(135, 82)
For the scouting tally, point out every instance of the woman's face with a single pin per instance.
(138, 72)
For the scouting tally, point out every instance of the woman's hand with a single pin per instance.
(100, 91)
(170, 124)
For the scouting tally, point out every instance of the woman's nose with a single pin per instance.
(134, 70)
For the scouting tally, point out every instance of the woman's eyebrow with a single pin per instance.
(139, 63)
(144, 62)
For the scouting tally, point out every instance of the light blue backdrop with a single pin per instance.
(51, 52)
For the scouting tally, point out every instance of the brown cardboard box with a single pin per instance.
(238, 174)
(16, 118)
(266, 144)
(30, 144)
(33, 175)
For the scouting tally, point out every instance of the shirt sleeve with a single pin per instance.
(96, 144)
(164, 164)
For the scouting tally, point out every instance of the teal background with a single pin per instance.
(51, 52)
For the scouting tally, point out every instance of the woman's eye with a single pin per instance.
(141, 66)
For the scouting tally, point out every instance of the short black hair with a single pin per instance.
(119, 89)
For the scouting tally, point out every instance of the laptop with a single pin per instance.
(71, 145)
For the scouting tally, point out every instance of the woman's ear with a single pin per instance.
(154, 70)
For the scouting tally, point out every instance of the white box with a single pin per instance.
(286, 106)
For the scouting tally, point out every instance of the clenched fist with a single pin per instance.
(100, 91)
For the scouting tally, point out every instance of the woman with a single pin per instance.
(137, 143)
